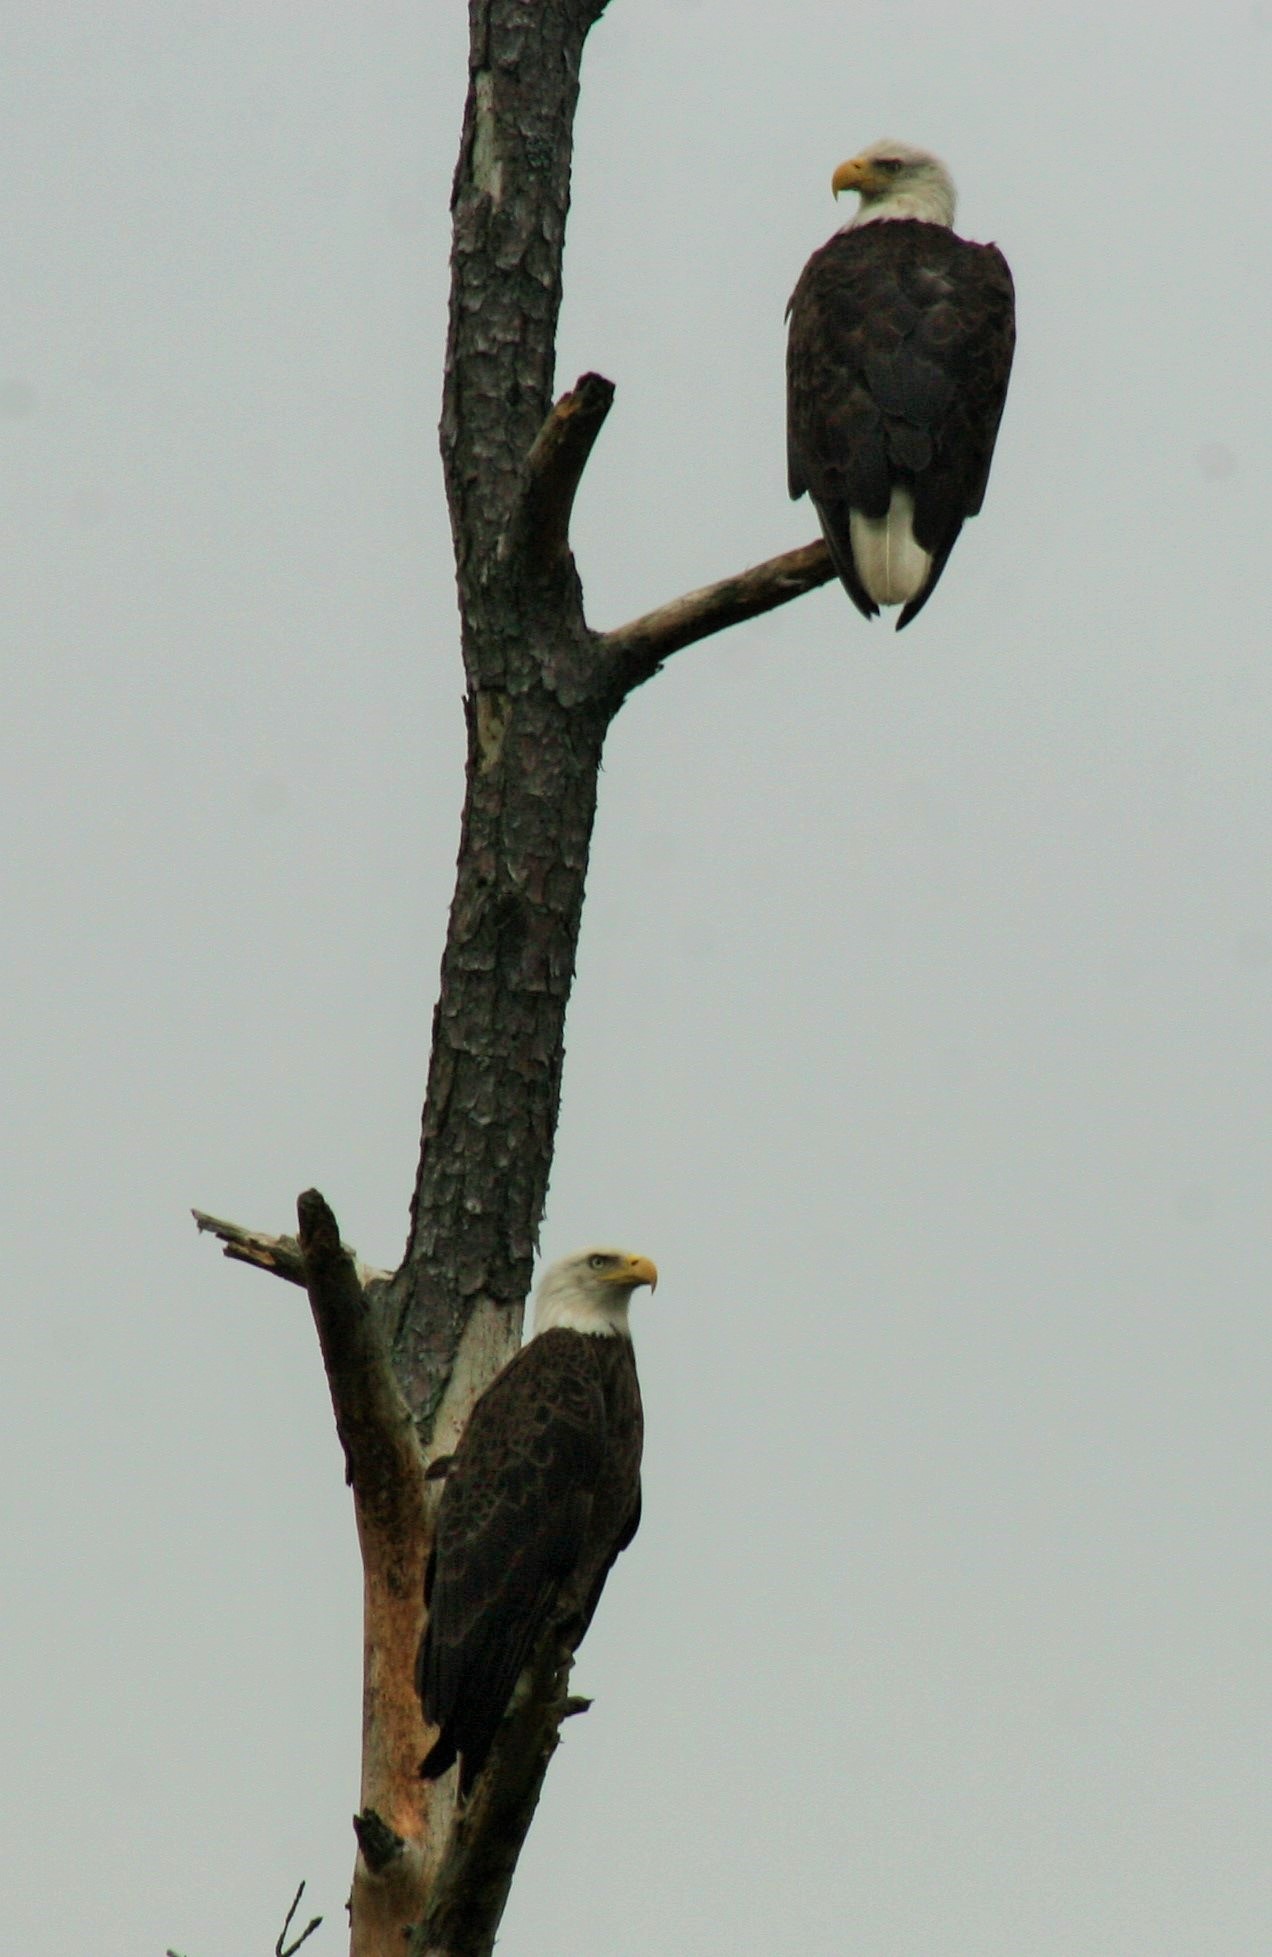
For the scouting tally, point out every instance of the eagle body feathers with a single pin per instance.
(542, 1494)
(898, 357)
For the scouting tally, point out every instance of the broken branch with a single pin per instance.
(280, 1256)
(554, 468)
(386, 1468)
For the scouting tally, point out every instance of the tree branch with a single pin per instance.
(278, 1255)
(382, 1454)
(635, 652)
(394, 1506)
(293, 1947)
(558, 456)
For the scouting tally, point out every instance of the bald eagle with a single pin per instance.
(898, 356)
(542, 1494)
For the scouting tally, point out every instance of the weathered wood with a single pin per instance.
(394, 1508)
(499, 1028)
(540, 522)
(536, 718)
(280, 1256)
(536, 723)
(386, 1468)
(633, 653)
(509, 204)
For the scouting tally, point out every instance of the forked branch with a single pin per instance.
(292, 1948)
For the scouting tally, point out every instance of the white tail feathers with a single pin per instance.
(891, 566)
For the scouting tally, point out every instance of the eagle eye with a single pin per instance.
(597, 1262)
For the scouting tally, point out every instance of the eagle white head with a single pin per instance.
(896, 180)
(590, 1291)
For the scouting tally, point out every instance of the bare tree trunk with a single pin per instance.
(406, 1355)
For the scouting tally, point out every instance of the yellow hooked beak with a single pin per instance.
(633, 1271)
(854, 175)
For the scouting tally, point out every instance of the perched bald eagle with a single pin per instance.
(897, 361)
(541, 1495)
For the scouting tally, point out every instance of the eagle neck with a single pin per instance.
(594, 1320)
(928, 203)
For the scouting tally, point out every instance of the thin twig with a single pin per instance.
(293, 1947)
(635, 651)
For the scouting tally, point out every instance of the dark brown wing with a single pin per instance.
(621, 1542)
(511, 1524)
(616, 1508)
(898, 358)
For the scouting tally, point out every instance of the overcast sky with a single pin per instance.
(923, 1030)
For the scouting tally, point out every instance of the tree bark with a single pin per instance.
(536, 720)
(407, 1355)
(535, 723)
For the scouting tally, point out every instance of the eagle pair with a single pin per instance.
(901, 338)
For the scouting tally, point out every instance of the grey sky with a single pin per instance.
(924, 1024)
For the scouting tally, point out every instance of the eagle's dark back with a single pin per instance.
(898, 357)
(542, 1494)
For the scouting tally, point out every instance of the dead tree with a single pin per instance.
(406, 1353)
